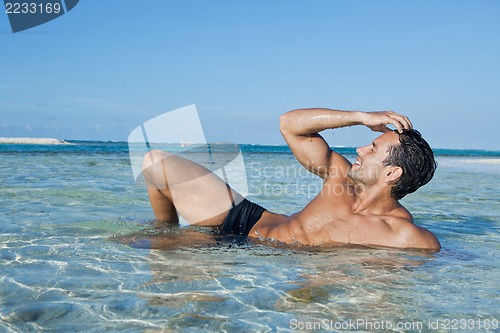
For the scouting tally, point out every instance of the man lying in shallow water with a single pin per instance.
(358, 203)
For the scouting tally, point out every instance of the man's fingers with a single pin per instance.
(398, 125)
(385, 118)
(405, 122)
(392, 120)
(401, 122)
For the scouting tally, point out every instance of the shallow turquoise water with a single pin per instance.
(61, 272)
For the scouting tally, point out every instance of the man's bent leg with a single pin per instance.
(177, 185)
(163, 208)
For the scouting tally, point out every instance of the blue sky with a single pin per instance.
(105, 67)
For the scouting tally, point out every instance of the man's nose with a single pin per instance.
(360, 150)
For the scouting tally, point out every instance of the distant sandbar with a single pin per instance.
(484, 160)
(33, 141)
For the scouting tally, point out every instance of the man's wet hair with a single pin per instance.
(415, 157)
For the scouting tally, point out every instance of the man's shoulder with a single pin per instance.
(410, 235)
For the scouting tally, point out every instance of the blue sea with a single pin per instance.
(64, 265)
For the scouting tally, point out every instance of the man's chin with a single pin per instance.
(356, 177)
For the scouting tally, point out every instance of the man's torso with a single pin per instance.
(329, 219)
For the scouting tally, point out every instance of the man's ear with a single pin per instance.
(393, 173)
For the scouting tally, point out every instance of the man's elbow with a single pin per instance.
(286, 121)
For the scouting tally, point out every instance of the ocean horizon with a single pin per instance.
(280, 147)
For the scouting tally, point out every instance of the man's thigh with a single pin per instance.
(198, 195)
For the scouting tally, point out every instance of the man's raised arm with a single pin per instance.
(300, 129)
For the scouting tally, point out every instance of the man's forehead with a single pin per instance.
(390, 138)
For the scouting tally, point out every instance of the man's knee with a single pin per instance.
(153, 157)
(152, 170)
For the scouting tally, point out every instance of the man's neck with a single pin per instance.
(373, 200)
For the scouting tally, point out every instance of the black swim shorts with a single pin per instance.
(242, 218)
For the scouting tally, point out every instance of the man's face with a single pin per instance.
(369, 168)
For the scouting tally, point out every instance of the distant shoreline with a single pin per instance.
(442, 152)
(33, 141)
(487, 161)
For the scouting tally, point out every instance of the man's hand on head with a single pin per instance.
(378, 121)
